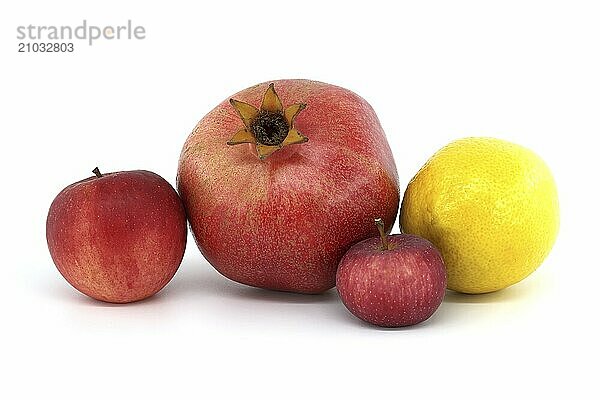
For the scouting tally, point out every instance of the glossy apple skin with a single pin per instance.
(392, 288)
(118, 238)
(284, 223)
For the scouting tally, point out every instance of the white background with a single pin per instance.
(526, 71)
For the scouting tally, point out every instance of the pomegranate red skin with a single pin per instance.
(117, 238)
(283, 223)
(392, 288)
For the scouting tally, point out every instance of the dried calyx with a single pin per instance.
(271, 127)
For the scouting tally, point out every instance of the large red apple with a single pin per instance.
(281, 179)
(117, 237)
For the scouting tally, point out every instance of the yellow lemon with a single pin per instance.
(491, 208)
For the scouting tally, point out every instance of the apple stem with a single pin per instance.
(385, 244)
(96, 172)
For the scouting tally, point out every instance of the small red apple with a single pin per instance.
(117, 237)
(392, 281)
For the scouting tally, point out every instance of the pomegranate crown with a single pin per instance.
(270, 127)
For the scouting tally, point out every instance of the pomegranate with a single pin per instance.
(279, 182)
